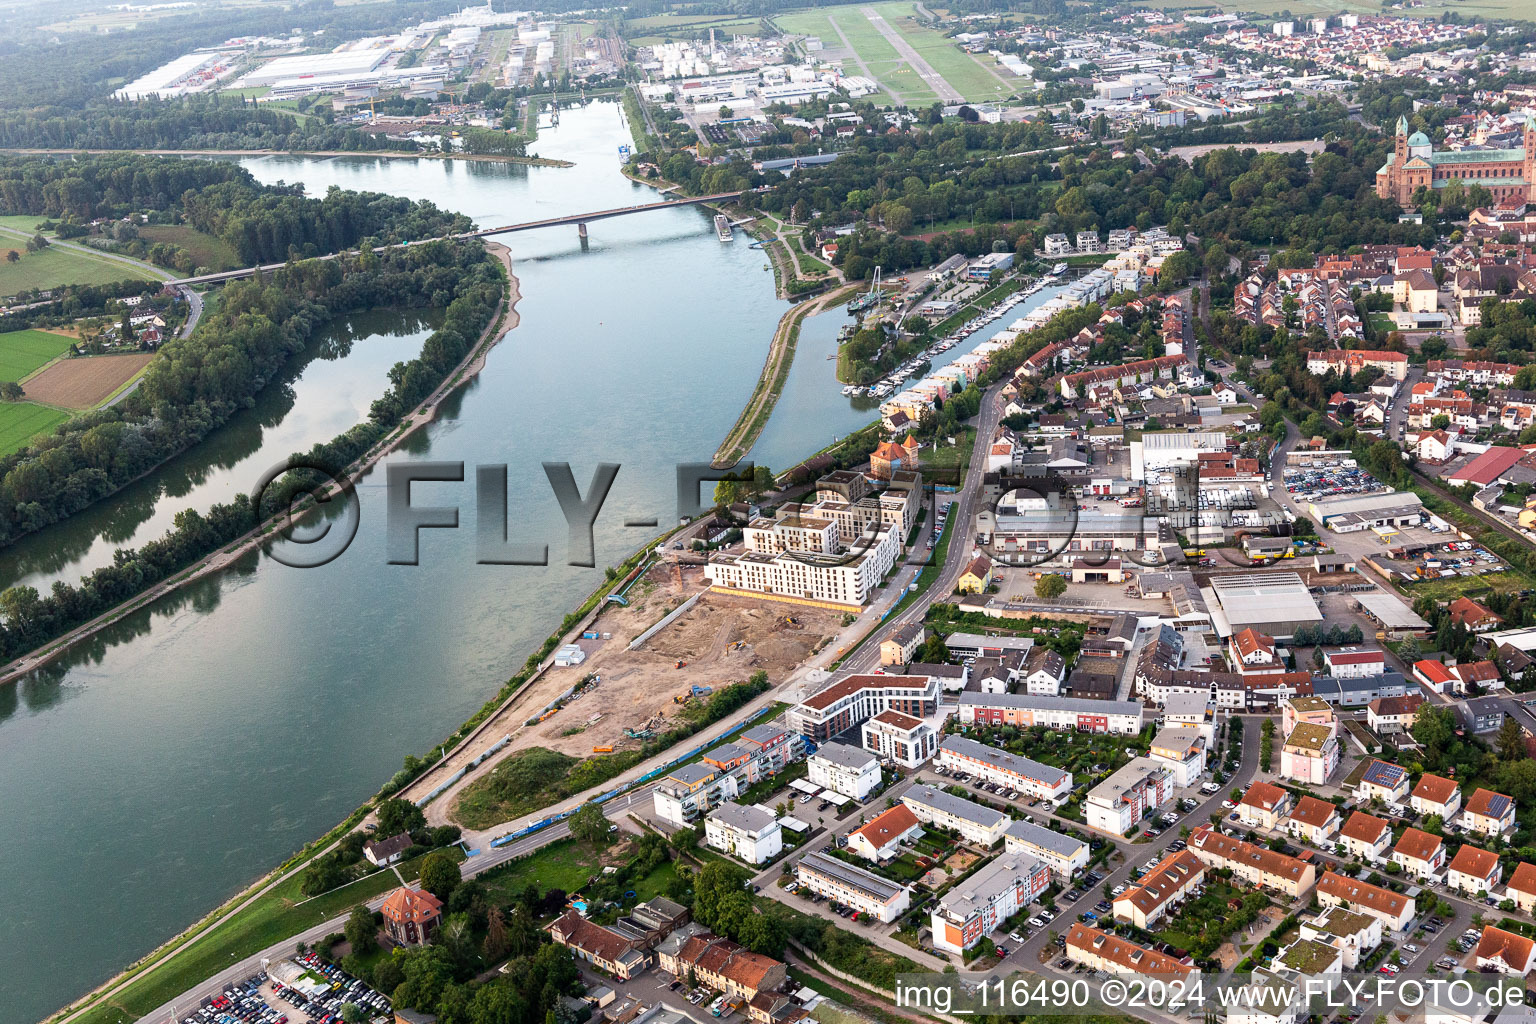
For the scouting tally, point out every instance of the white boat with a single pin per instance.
(1059, 269)
(851, 390)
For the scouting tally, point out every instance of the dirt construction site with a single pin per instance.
(623, 696)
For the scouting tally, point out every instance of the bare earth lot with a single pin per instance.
(720, 640)
(86, 382)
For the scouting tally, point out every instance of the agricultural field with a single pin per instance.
(86, 382)
(208, 251)
(22, 421)
(56, 266)
(22, 352)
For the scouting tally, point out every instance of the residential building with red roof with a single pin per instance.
(1313, 820)
(1264, 805)
(411, 916)
(1252, 651)
(1160, 890)
(853, 700)
(1390, 716)
(880, 839)
(1489, 812)
(622, 956)
(1366, 836)
(1420, 853)
(1505, 952)
(1435, 794)
(1393, 909)
(1482, 674)
(1522, 887)
(1114, 955)
(1355, 662)
(1474, 871)
(1252, 863)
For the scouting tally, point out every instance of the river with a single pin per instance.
(153, 771)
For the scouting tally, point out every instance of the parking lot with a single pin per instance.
(264, 1000)
(1332, 479)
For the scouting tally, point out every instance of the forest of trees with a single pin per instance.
(263, 223)
(197, 383)
(192, 122)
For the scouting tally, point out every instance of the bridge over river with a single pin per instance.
(581, 220)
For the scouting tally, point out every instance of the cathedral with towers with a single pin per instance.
(1415, 164)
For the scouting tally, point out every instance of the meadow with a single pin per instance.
(22, 352)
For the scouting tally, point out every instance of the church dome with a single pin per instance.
(1418, 139)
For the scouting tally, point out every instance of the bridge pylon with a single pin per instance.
(581, 232)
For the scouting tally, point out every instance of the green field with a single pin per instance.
(56, 266)
(884, 63)
(20, 422)
(21, 352)
(208, 251)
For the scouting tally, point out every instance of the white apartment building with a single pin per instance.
(747, 832)
(1028, 777)
(851, 701)
(862, 890)
(1118, 717)
(845, 770)
(906, 740)
(1063, 854)
(845, 578)
(974, 822)
(980, 903)
(1182, 749)
(1127, 796)
(694, 789)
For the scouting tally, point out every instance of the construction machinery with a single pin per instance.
(607, 749)
(680, 663)
(701, 691)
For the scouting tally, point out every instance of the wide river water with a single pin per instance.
(157, 768)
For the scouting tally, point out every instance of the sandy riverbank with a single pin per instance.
(505, 319)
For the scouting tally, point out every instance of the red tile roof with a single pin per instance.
(1434, 788)
(1418, 844)
(1366, 828)
(896, 822)
(1470, 860)
(415, 905)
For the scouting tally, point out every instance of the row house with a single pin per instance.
(1252, 863)
(1516, 410)
(1160, 890)
(1063, 854)
(1101, 951)
(1478, 373)
(1393, 909)
(725, 966)
(973, 822)
(864, 891)
(1030, 778)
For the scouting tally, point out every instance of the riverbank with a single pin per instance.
(781, 356)
(390, 154)
(424, 413)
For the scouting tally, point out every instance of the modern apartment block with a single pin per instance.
(1127, 796)
(862, 890)
(747, 832)
(1119, 717)
(1031, 778)
(1061, 853)
(691, 790)
(854, 700)
(983, 901)
(845, 770)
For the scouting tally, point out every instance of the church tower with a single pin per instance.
(1530, 158)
